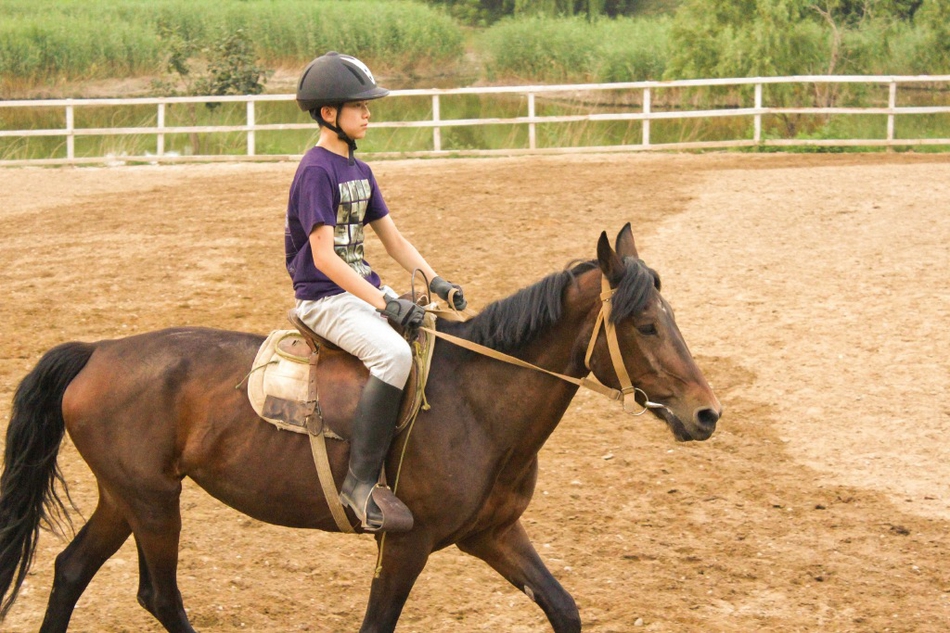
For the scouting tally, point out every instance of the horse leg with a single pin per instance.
(509, 552)
(146, 590)
(100, 538)
(156, 524)
(404, 557)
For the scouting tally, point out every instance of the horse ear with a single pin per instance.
(610, 263)
(625, 244)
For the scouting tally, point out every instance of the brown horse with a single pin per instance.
(149, 410)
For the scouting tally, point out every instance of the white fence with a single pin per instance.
(645, 114)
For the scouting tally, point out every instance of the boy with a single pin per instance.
(332, 197)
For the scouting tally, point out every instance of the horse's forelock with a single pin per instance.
(634, 290)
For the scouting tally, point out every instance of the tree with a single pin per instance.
(232, 68)
(228, 67)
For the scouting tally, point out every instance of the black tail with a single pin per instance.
(28, 496)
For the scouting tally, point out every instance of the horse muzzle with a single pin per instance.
(698, 426)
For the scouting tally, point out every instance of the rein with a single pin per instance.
(613, 346)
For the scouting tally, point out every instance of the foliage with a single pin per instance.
(807, 37)
(487, 12)
(575, 50)
(83, 39)
(230, 66)
(934, 50)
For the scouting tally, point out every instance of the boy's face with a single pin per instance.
(353, 119)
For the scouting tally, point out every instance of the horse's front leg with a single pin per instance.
(404, 556)
(509, 552)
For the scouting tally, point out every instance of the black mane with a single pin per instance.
(509, 324)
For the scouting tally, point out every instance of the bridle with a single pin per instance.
(613, 347)
(616, 357)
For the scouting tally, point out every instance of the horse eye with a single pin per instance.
(647, 330)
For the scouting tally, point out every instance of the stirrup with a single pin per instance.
(396, 517)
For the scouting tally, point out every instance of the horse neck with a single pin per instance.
(562, 347)
(523, 407)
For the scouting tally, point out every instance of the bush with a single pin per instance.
(799, 37)
(561, 50)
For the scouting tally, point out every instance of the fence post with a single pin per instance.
(160, 137)
(891, 104)
(250, 129)
(757, 124)
(436, 131)
(646, 121)
(532, 131)
(70, 132)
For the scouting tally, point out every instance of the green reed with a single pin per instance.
(573, 50)
(44, 40)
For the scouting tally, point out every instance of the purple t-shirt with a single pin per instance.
(328, 190)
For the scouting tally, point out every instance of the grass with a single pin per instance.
(44, 41)
(574, 50)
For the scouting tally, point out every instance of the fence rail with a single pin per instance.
(647, 89)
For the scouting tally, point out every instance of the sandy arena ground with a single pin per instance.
(814, 290)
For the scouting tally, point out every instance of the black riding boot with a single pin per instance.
(373, 428)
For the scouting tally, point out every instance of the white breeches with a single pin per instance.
(355, 326)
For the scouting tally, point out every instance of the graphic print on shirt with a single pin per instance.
(348, 234)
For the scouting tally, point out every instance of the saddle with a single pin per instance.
(301, 382)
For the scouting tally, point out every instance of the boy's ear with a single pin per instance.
(328, 113)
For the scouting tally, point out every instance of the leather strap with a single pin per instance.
(593, 385)
(318, 446)
(613, 345)
(314, 417)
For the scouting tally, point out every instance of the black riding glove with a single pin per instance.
(403, 312)
(442, 288)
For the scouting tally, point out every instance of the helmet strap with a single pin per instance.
(334, 127)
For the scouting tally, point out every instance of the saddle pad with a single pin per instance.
(277, 386)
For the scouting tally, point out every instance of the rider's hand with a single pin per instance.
(403, 312)
(442, 288)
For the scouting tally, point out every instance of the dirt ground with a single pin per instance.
(813, 289)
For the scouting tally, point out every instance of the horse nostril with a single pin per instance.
(707, 417)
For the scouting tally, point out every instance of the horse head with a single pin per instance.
(649, 347)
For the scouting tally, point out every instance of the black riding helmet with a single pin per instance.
(332, 80)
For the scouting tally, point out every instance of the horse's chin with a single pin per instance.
(680, 430)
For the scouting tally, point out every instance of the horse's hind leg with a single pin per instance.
(100, 538)
(156, 523)
(509, 552)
